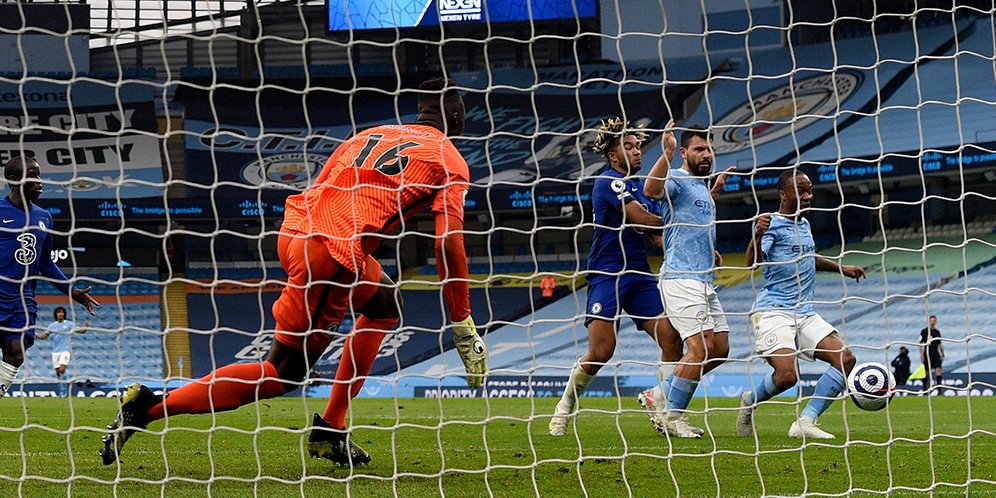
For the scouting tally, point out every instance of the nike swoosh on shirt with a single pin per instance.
(8, 221)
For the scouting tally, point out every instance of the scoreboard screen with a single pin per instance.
(358, 15)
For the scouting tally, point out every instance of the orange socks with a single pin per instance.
(227, 388)
(358, 355)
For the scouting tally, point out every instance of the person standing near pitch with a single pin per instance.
(26, 242)
(619, 276)
(785, 323)
(370, 185)
(692, 305)
(58, 332)
(932, 352)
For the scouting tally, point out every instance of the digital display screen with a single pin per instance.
(890, 165)
(485, 199)
(358, 15)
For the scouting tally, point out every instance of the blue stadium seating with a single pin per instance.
(124, 342)
(874, 314)
(944, 114)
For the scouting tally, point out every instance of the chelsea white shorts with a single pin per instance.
(693, 307)
(776, 330)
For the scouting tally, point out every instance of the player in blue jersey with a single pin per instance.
(785, 323)
(58, 332)
(25, 245)
(688, 210)
(619, 276)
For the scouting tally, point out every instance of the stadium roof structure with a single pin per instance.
(115, 22)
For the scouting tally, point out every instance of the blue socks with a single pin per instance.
(766, 390)
(827, 388)
(679, 392)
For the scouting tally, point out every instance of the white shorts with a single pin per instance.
(60, 359)
(693, 307)
(776, 330)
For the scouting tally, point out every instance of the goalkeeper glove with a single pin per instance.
(472, 349)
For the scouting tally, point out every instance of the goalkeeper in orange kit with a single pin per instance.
(370, 185)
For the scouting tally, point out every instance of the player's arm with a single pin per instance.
(759, 242)
(657, 241)
(717, 187)
(84, 328)
(49, 269)
(849, 271)
(654, 186)
(451, 262)
(638, 215)
(43, 334)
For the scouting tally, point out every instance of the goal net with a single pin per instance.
(169, 137)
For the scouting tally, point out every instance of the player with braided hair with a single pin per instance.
(619, 276)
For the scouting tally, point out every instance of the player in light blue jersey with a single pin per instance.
(785, 323)
(58, 333)
(619, 276)
(688, 209)
(25, 245)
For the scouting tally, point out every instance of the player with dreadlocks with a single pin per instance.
(619, 276)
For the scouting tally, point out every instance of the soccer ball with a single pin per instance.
(871, 386)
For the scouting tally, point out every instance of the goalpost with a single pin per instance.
(168, 139)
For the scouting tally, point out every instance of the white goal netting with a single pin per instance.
(169, 136)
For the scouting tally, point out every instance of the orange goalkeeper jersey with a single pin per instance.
(373, 182)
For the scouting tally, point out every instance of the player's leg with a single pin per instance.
(60, 372)
(295, 348)
(654, 400)
(600, 319)
(601, 347)
(18, 335)
(784, 375)
(645, 304)
(818, 339)
(688, 310)
(684, 381)
(293, 352)
(13, 358)
(938, 361)
(775, 336)
(378, 301)
(721, 339)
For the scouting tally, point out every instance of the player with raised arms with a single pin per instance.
(369, 186)
(59, 332)
(619, 276)
(785, 323)
(688, 209)
(25, 243)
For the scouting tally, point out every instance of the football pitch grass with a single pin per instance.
(477, 447)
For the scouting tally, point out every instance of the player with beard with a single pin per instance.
(691, 303)
(619, 276)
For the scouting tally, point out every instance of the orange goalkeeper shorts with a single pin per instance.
(319, 292)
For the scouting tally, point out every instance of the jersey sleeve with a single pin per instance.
(672, 188)
(331, 162)
(612, 192)
(455, 184)
(48, 268)
(768, 240)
